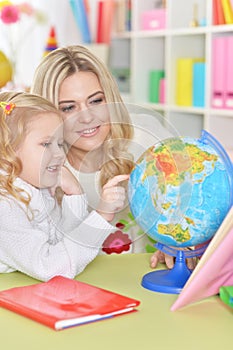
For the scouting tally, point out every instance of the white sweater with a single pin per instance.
(59, 240)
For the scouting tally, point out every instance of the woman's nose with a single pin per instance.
(85, 116)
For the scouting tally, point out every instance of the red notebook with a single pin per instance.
(62, 302)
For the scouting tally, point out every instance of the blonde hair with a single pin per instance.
(64, 62)
(13, 130)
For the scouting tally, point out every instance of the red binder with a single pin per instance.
(105, 11)
(218, 71)
(218, 15)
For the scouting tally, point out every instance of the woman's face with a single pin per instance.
(84, 109)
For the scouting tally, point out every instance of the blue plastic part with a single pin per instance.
(171, 281)
(212, 141)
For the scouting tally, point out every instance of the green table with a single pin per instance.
(207, 324)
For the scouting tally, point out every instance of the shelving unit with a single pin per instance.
(145, 50)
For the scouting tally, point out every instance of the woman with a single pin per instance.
(99, 134)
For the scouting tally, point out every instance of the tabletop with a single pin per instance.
(206, 324)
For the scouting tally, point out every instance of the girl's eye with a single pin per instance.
(46, 144)
(61, 145)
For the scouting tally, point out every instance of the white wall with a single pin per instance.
(59, 14)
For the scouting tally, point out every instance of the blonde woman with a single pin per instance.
(39, 236)
(103, 141)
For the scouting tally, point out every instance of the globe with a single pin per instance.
(180, 191)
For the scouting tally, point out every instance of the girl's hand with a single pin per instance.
(67, 183)
(112, 197)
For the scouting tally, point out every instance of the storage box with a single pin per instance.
(153, 19)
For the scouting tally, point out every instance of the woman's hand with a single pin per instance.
(112, 197)
(161, 258)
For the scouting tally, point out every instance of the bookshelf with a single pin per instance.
(139, 51)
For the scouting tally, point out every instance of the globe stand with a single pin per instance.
(171, 281)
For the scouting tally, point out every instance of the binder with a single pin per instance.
(227, 11)
(218, 15)
(184, 84)
(104, 21)
(154, 84)
(218, 71)
(229, 75)
(80, 15)
(198, 84)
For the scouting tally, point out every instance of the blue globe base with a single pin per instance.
(171, 281)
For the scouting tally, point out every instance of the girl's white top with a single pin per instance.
(56, 240)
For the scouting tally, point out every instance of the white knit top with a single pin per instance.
(58, 240)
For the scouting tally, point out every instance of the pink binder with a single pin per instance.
(229, 75)
(218, 72)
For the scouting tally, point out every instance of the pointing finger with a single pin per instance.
(115, 180)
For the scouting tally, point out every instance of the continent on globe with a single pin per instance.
(180, 190)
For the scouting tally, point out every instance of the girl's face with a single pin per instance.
(84, 109)
(41, 153)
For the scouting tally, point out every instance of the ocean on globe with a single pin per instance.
(180, 190)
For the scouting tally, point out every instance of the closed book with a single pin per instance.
(227, 11)
(62, 302)
(184, 83)
(218, 72)
(199, 84)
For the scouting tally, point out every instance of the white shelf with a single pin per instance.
(159, 49)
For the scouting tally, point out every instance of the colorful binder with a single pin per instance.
(105, 11)
(229, 73)
(218, 71)
(227, 11)
(198, 84)
(184, 82)
(218, 15)
(155, 77)
(79, 11)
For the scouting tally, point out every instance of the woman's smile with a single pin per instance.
(89, 132)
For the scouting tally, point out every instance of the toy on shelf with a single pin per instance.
(51, 41)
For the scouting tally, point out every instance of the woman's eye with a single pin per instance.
(97, 101)
(66, 109)
(61, 145)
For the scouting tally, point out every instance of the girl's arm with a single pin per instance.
(43, 248)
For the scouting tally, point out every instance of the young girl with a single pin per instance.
(38, 236)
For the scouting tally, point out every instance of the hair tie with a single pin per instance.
(7, 107)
